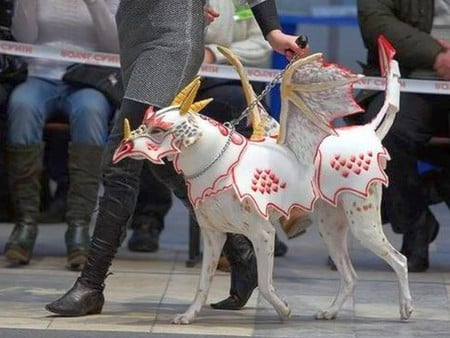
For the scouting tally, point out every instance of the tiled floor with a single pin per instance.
(147, 290)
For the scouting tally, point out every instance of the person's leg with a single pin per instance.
(405, 204)
(153, 204)
(30, 105)
(88, 112)
(140, 51)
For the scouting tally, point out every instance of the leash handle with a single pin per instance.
(302, 41)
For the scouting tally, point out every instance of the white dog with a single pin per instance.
(245, 186)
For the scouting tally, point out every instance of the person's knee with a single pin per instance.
(25, 120)
(25, 104)
(89, 116)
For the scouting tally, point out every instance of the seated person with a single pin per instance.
(419, 31)
(13, 71)
(87, 25)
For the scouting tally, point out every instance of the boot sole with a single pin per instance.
(17, 254)
(68, 314)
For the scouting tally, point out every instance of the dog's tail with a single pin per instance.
(390, 70)
(259, 118)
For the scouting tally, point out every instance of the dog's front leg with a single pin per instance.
(213, 242)
(262, 236)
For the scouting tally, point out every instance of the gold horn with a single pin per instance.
(179, 99)
(187, 103)
(126, 129)
(199, 105)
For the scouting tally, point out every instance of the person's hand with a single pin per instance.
(444, 43)
(285, 44)
(209, 56)
(442, 64)
(210, 14)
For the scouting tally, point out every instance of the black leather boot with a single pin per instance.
(121, 183)
(80, 300)
(77, 243)
(84, 178)
(24, 172)
(86, 295)
(145, 237)
(19, 247)
(244, 274)
(417, 240)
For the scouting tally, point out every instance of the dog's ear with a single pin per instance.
(188, 131)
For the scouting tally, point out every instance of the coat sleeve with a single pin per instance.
(415, 48)
(266, 15)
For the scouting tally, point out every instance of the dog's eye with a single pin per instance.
(157, 131)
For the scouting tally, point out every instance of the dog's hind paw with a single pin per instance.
(325, 315)
(181, 319)
(406, 309)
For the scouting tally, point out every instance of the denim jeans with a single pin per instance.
(37, 100)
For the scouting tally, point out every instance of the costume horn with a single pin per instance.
(199, 105)
(126, 129)
(189, 100)
(179, 99)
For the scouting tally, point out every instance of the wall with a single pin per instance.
(341, 44)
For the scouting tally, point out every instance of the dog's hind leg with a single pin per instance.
(262, 236)
(333, 230)
(213, 242)
(365, 223)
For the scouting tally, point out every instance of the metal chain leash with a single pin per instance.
(302, 41)
(233, 123)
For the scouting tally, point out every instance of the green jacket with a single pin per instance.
(406, 24)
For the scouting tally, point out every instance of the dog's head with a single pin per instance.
(165, 132)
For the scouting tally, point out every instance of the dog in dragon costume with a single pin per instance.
(303, 163)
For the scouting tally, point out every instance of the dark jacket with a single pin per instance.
(406, 24)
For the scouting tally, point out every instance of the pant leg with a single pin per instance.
(154, 200)
(403, 200)
(30, 105)
(89, 113)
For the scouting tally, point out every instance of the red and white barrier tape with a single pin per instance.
(207, 70)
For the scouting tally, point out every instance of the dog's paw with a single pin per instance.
(287, 312)
(325, 315)
(406, 308)
(181, 319)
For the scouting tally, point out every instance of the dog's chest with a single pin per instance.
(224, 212)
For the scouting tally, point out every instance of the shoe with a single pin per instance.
(416, 242)
(80, 300)
(19, 247)
(77, 243)
(145, 238)
(244, 273)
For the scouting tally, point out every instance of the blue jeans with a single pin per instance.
(37, 100)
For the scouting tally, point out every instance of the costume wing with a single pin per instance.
(313, 94)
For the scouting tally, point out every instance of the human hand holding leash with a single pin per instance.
(288, 45)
